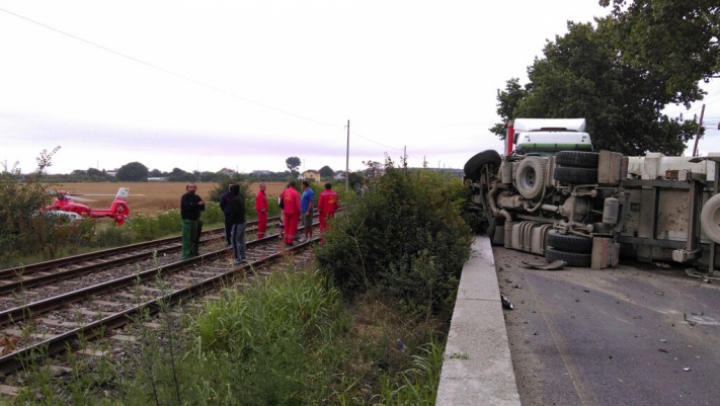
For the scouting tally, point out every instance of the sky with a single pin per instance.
(246, 84)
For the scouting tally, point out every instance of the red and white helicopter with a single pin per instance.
(118, 210)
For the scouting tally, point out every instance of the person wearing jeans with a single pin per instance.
(237, 219)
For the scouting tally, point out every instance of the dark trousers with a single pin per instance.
(238, 241)
(228, 230)
(191, 231)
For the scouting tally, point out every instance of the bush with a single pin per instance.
(406, 238)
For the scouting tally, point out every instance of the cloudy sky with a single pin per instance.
(246, 84)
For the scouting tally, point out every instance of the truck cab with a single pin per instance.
(547, 136)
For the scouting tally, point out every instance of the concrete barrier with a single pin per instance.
(477, 369)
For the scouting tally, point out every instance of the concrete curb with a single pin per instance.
(477, 369)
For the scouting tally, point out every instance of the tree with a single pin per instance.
(96, 173)
(155, 173)
(675, 39)
(582, 74)
(326, 171)
(132, 172)
(293, 163)
(508, 104)
(179, 175)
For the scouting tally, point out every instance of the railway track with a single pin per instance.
(21, 283)
(111, 256)
(56, 324)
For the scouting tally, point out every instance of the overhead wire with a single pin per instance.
(189, 79)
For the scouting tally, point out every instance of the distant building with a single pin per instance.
(157, 179)
(260, 172)
(112, 172)
(226, 171)
(312, 174)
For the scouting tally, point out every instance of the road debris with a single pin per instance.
(553, 266)
(506, 304)
(686, 369)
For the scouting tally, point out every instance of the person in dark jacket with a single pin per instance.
(237, 219)
(225, 207)
(190, 207)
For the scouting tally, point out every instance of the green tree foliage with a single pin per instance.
(406, 239)
(675, 39)
(132, 172)
(583, 75)
(326, 172)
(508, 101)
(223, 182)
(24, 231)
(293, 163)
(179, 175)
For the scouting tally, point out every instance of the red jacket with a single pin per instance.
(328, 202)
(261, 201)
(291, 201)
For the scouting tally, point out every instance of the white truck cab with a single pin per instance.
(548, 135)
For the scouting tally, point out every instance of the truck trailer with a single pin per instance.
(553, 195)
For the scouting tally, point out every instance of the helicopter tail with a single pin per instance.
(119, 208)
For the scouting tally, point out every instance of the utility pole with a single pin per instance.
(347, 159)
(697, 134)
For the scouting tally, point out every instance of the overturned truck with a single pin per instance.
(555, 196)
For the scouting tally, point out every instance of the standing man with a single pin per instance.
(328, 204)
(261, 207)
(291, 211)
(306, 207)
(225, 207)
(237, 218)
(365, 188)
(190, 207)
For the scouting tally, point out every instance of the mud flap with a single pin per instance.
(605, 253)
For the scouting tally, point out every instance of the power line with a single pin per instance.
(375, 142)
(197, 82)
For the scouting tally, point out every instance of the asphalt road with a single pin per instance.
(611, 337)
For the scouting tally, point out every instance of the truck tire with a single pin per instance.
(569, 242)
(474, 164)
(530, 177)
(572, 258)
(710, 218)
(577, 159)
(576, 176)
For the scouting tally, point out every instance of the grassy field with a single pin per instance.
(151, 197)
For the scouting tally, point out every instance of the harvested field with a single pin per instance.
(150, 197)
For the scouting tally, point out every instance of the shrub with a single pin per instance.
(406, 238)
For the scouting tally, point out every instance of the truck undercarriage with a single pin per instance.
(589, 208)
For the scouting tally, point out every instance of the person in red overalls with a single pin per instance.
(261, 207)
(328, 204)
(291, 211)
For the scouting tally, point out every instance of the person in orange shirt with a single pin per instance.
(328, 204)
(261, 208)
(291, 212)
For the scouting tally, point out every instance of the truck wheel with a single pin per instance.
(569, 242)
(576, 176)
(530, 177)
(577, 159)
(710, 218)
(572, 258)
(474, 164)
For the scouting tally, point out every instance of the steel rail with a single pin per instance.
(21, 313)
(55, 263)
(69, 340)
